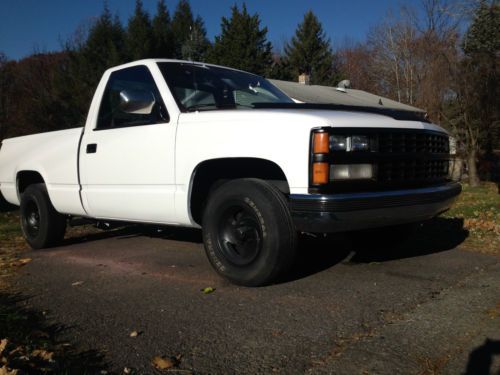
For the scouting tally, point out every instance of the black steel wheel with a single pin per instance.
(248, 232)
(41, 224)
(240, 234)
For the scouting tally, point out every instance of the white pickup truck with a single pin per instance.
(197, 145)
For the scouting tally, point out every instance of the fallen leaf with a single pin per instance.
(21, 262)
(134, 334)
(162, 363)
(17, 350)
(43, 354)
(3, 345)
(208, 290)
(76, 283)
(5, 371)
(127, 370)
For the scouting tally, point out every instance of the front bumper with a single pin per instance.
(346, 212)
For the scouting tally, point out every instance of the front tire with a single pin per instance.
(41, 224)
(249, 235)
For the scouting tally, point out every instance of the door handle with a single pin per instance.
(91, 148)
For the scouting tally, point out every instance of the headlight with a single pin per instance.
(349, 143)
(338, 143)
(351, 171)
(360, 143)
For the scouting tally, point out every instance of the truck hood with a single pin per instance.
(310, 118)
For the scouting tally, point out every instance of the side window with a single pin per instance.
(138, 80)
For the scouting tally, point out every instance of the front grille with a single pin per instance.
(412, 170)
(401, 159)
(412, 143)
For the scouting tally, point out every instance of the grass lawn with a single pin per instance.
(479, 208)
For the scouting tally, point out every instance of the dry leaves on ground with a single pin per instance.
(163, 363)
(134, 334)
(43, 354)
(3, 345)
(21, 262)
(4, 370)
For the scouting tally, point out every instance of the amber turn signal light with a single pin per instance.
(321, 143)
(320, 173)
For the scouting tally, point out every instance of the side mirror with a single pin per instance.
(138, 102)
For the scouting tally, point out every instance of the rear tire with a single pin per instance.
(249, 235)
(41, 224)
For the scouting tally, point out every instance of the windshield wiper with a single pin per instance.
(196, 107)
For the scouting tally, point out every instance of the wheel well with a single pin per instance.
(210, 174)
(27, 178)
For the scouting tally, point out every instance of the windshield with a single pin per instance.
(197, 87)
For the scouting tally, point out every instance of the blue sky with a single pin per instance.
(41, 25)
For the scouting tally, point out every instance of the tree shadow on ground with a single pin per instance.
(27, 330)
(481, 358)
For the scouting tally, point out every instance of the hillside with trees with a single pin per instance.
(439, 55)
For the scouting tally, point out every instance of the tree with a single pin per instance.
(477, 89)
(102, 48)
(481, 46)
(280, 68)
(6, 79)
(309, 52)
(182, 24)
(355, 64)
(242, 43)
(162, 32)
(139, 37)
(197, 44)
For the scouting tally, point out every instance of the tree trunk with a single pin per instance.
(456, 169)
(472, 168)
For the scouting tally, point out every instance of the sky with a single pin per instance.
(28, 26)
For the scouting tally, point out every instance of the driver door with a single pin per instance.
(127, 159)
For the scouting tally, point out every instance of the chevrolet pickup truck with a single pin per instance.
(190, 144)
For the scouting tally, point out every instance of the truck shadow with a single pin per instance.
(130, 231)
(318, 253)
(6, 206)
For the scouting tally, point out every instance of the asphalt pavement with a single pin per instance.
(427, 307)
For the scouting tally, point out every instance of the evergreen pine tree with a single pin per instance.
(139, 40)
(103, 48)
(309, 51)
(280, 69)
(197, 44)
(162, 32)
(243, 43)
(481, 47)
(182, 24)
